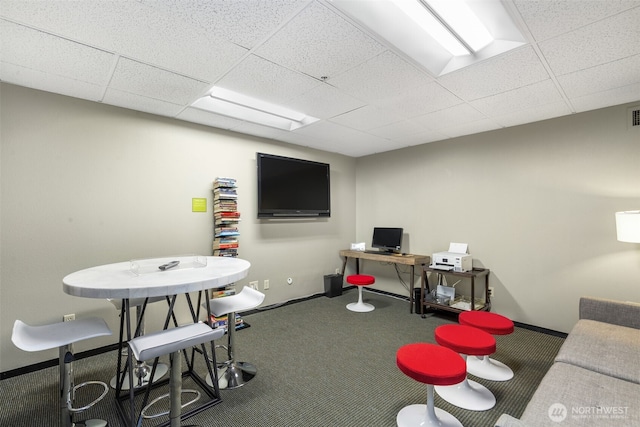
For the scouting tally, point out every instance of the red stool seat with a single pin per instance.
(432, 365)
(492, 323)
(360, 280)
(495, 324)
(466, 340)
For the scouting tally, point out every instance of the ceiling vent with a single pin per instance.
(634, 118)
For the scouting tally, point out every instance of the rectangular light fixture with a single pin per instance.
(441, 35)
(238, 106)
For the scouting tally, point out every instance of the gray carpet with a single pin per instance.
(318, 365)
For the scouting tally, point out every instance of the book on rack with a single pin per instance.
(224, 182)
(225, 246)
(222, 321)
(226, 234)
(229, 252)
(225, 214)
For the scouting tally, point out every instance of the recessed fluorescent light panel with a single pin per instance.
(238, 106)
(441, 35)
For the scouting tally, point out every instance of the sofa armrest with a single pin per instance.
(506, 420)
(621, 313)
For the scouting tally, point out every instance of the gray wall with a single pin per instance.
(85, 184)
(535, 203)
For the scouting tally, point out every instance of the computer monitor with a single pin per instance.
(387, 239)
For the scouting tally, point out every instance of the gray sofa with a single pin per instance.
(595, 379)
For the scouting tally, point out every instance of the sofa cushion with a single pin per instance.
(573, 396)
(605, 348)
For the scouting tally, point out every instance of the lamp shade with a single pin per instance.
(628, 226)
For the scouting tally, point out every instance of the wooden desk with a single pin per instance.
(410, 260)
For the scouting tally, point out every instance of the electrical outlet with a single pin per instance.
(491, 294)
(68, 317)
(266, 284)
(337, 271)
(254, 285)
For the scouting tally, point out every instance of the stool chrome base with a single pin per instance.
(489, 369)
(418, 416)
(91, 423)
(360, 307)
(467, 395)
(161, 371)
(234, 375)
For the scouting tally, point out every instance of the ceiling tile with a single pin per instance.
(347, 139)
(546, 19)
(366, 118)
(244, 23)
(35, 79)
(324, 101)
(542, 112)
(40, 51)
(607, 98)
(454, 116)
(470, 128)
(318, 42)
(520, 67)
(383, 77)
(544, 92)
(145, 80)
(141, 103)
(398, 131)
(623, 72)
(267, 81)
(421, 99)
(605, 41)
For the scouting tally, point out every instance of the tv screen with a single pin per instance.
(387, 239)
(289, 188)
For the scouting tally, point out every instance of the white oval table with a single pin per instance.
(144, 279)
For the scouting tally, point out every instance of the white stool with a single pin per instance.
(142, 370)
(234, 374)
(172, 341)
(62, 335)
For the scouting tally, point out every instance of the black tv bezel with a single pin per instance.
(384, 248)
(263, 213)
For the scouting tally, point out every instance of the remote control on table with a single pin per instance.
(169, 265)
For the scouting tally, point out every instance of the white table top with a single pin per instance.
(121, 281)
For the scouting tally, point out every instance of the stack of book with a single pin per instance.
(226, 217)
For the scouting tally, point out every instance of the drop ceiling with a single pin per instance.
(159, 56)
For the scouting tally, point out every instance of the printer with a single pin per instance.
(456, 259)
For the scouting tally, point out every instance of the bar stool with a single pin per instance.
(360, 280)
(172, 342)
(432, 365)
(62, 335)
(234, 374)
(495, 324)
(467, 341)
(142, 371)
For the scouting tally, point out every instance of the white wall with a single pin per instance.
(85, 184)
(535, 203)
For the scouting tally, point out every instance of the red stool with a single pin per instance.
(432, 365)
(360, 280)
(467, 341)
(495, 324)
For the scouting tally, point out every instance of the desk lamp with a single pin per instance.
(628, 226)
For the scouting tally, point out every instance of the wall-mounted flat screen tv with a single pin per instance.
(292, 188)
